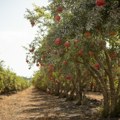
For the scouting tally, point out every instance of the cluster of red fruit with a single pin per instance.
(67, 44)
(58, 42)
(59, 10)
(81, 51)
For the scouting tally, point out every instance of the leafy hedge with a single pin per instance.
(10, 82)
(39, 81)
(78, 45)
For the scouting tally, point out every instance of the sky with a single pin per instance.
(15, 32)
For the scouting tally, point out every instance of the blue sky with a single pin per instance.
(15, 32)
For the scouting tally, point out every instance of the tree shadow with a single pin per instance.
(2, 95)
(43, 106)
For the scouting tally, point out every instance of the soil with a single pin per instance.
(32, 104)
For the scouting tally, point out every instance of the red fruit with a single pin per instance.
(32, 50)
(113, 55)
(51, 67)
(32, 22)
(42, 64)
(37, 64)
(97, 66)
(58, 41)
(67, 44)
(68, 77)
(80, 52)
(112, 33)
(57, 81)
(100, 2)
(65, 62)
(76, 41)
(27, 61)
(43, 57)
(51, 78)
(91, 53)
(87, 34)
(60, 9)
(57, 18)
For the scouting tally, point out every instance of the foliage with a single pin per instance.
(80, 44)
(39, 81)
(10, 82)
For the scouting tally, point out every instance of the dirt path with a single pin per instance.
(31, 104)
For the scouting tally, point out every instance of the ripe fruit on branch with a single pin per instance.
(68, 77)
(43, 57)
(80, 52)
(37, 64)
(87, 34)
(91, 53)
(57, 18)
(32, 22)
(97, 66)
(59, 9)
(112, 33)
(57, 81)
(76, 41)
(51, 67)
(102, 44)
(42, 64)
(65, 62)
(67, 44)
(113, 55)
(27, 61)
(100, 2)
(58, 41)
(32, 50)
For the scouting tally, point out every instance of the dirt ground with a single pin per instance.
(31, 104)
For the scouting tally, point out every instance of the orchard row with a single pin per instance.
(78, 49)
(10, 82)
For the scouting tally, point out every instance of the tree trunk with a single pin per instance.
(106, 104)
(57, 89)
(80, 97)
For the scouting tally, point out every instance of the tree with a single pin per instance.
(10, 82)
(94, 25)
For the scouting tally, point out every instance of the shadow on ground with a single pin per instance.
(42, 106)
